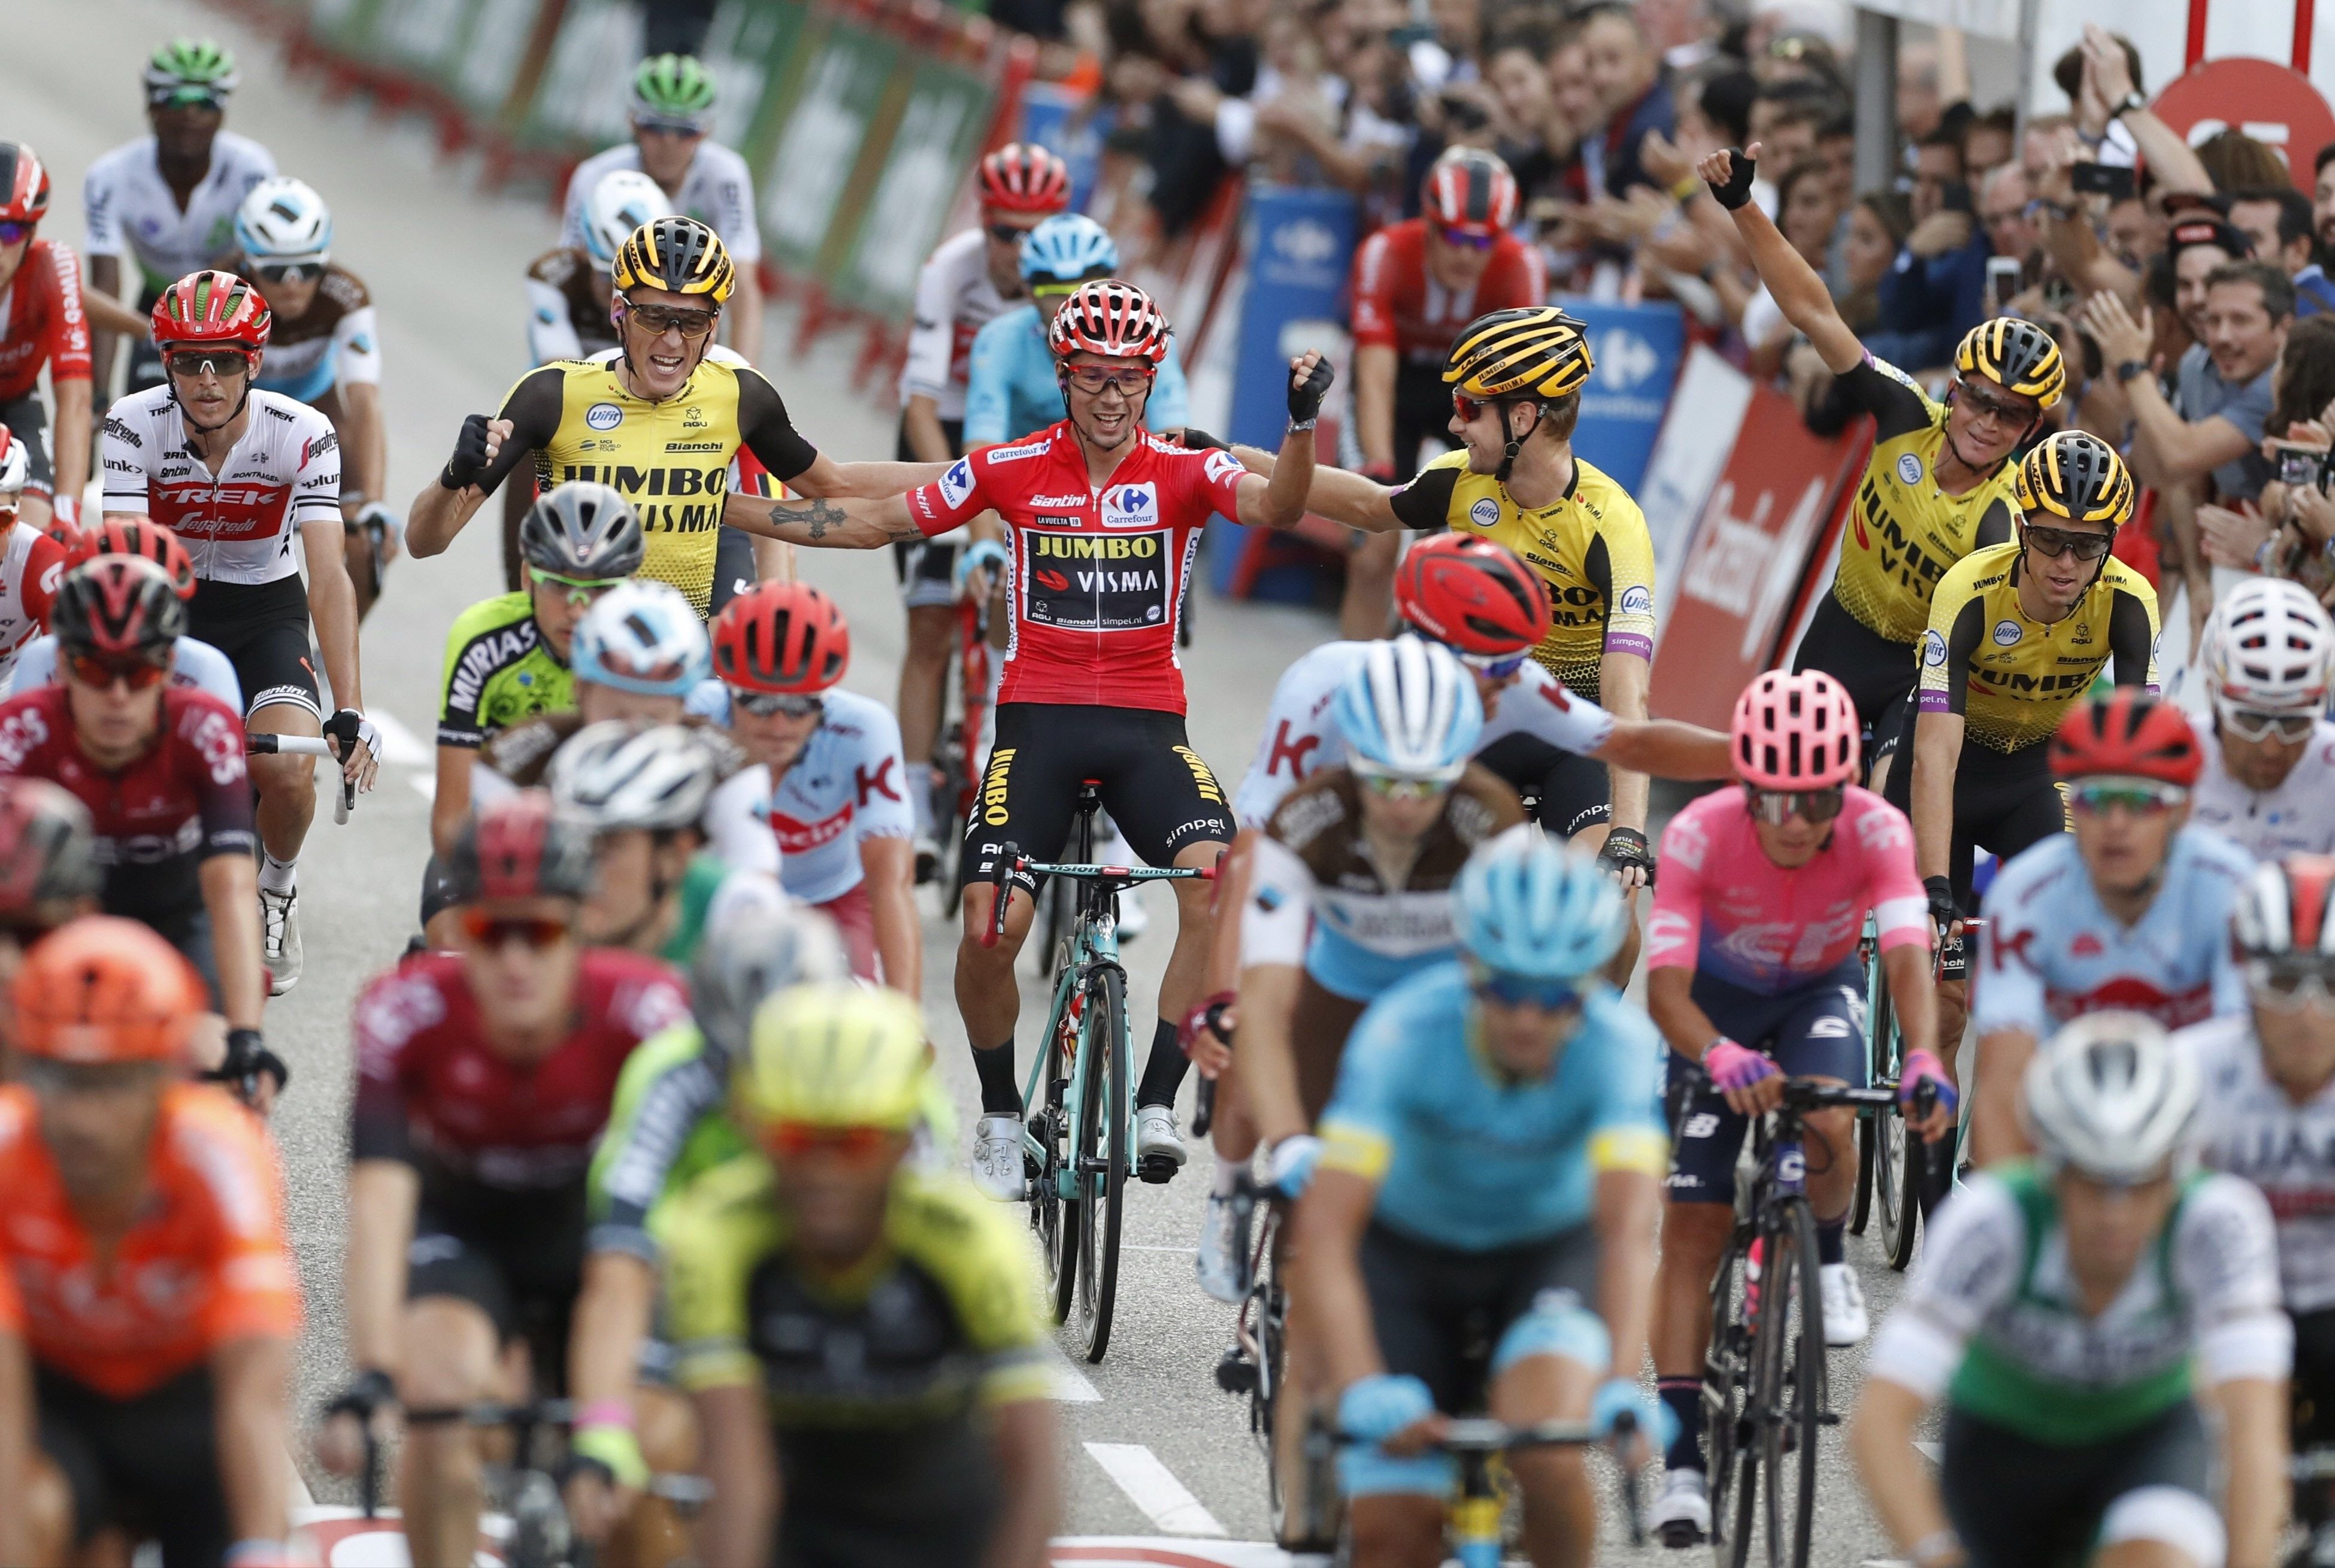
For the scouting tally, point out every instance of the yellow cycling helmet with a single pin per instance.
(2077, 475)
(1536, 351)
(679, 254)
(834, 1055)
(2015, 355)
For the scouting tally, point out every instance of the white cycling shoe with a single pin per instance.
(279, 939)
(1844, 1319)
(997, 1169)
(1155, 1137)
(1219, 1261)
(1681, 1516)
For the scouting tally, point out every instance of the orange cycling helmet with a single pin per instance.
(1024, 178)
(782, 637)
(102, 989)
(2129, 731)
(1472, 595)
(141, 536)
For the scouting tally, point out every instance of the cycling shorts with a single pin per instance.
(2314, 1381)
(27, 419)
(2017, 1503)
(1164, 799)
(1878, 672)
(149, 1464)
(734, 568)
(854, 913)
(1573, 790)
(189, 931)
(525, 1282)
(1813, 1031)
(263, 630)
(2003, 800)
(927, 568)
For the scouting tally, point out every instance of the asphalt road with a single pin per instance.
(1154, 1448)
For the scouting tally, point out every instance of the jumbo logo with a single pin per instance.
(1092, 547)
(992, 787)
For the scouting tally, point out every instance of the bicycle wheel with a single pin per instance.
(1789, 1381)
(1734, 1458)
(1868, 1134)
(1106, 1107)
(1896, 1169)
(1053, 1220)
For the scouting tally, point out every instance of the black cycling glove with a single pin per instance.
(1942, 911)
(247, 1058)
(469, 457)
(1199, 441)
(367, 1392)
(1741, 168)
(1305, 397)
(1625, 847)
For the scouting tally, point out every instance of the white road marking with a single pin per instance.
(1132, 1247)
(399, 744)
(1071, 1385)
(1151, 1486)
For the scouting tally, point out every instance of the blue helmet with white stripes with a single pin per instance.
(1410, 711)
(1531, 906)
(642, 636)
(1068, 248)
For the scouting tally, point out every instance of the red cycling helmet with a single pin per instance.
(1114, 319)
(2283, 908)
(24, 184)
(206, 309)
(1471, 191)
(1024, 178)
(520, 847)
(1472, 595)
(48, 849)
(139, 537)
(1794, 732)
(118, 607)
(15, 470)
(782, 637)
(2129, 731)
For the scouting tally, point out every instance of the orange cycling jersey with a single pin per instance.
(206, 1263)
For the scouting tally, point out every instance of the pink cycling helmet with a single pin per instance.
(1794, 732)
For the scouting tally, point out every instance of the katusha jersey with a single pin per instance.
(2011, 679)
(1095, 579)
(2297, 818)
(849, 785)
(2250, 1127)
(238, 523)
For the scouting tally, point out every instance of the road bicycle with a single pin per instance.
(261, 745)
(1078, 1141)
(1304, 1508)
(1477, 1513)
(1892, 1165)
(956, 761)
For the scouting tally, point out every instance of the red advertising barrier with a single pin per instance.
(2263, 99)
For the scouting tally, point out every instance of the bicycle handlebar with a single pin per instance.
(304, 746)
(1010, 859)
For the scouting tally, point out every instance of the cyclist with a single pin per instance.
(2130, 911)
(324, 349)
(241, 472)
(484, 1077)
(2083, 1316)
(839, 785)
(1490, 1161)
(1939, 482)
(193, 661)
(862, 1337)
(49, 873)
(1752, 974)
(1417, 285)
(1105, 518)
(44, 326)
(30, 560)
(167, 201)
(146, 1279)
(2268, 780)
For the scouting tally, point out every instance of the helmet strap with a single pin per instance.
(187, 418)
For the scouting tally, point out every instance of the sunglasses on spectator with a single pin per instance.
(1392, 787)
(2141, 797)
(497, 931)
(855, 1145)
(581, 591)
(1094, 379)
(1777, 807)
(2252, 724)
(656, 320)
(1463, 238)
(10, 233)
(1994, 405)
(771, 704)
(217, 361)
(138, 674)
(2057, 542)
(287, 271)
(1521, 990)
(2290, 982)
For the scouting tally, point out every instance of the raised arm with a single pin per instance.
(1798, 290)
(1279, 502)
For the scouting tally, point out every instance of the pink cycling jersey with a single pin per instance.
(1723, 908)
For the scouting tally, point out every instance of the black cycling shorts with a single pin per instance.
(263, 630)
(27, 419)
(189, 931)
(2314, 1379)
(2017, 1503)
(734, 568)
(1154, 785)
(1813, 1031)
(524, 1278)
(2003, 800)
(1878, 672)
(1441, 1312)
(927, 568)
(147, 1464)
(145, 356)
(1573, 790)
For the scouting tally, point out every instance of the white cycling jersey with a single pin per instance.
(718, 191)
(2250, 1128)
(849, 786)
(131, 212)
(193, 662)
(954, 300)
(1301, 733)
(18, 625)
(2296, 818)
(238, 523)
(731, 821)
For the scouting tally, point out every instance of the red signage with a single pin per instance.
(2262, 98)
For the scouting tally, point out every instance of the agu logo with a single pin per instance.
(2006, 633)
(1636, 602)
(1131, 506)
(1909, 469)
(1484, 513)
(957, 483)
(604, 416)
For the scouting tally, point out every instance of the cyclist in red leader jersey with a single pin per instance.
(1102, 519)
(40, 284)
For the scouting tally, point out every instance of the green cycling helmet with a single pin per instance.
(189, 71)
(673, 89)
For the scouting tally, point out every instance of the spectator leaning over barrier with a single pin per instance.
(2279, 221)
(1630, 92)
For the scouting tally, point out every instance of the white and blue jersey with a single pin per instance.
(1011, 390)
(193, 664)
(849, 785)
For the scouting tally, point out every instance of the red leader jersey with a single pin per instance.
(1397, 306)
(1096, 576)
(41, 322)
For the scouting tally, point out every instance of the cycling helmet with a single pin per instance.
(2282, 908)
(1794, 732)
(1470, 189)
(678, 254)
(673, 89)
(834, 1055)
(782, 637)
(1471, 595)
(615, 775)
(2129, 731)
(1023, 176)
(48, 847)
(584, 530)
(2077, 476)
(2017, 356)
(1066, 248)
(24, 184)
(284, 220)
(641, 636)
(2269, 647)
(1114, 319)
(118, 607)
(141, 536)
(2112, 1097)
(1531, 352)
(751, 951)
(623, 201)
(103, 990)
(520, 847)
(15, 468)
(1528, 904)
(206, 309)
(189, 71)
(1410, 710)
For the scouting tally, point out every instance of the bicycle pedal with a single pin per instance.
(1236, 1373)
(1157, 1169)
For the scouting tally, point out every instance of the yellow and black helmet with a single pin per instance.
(2077, 476)
(1536, 351)
(2015, 355)
(678, 254)
(833, 1055)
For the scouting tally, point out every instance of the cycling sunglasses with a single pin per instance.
(10, 233)
(656, 320)
(187, 97)
(138, 674)
(581, 591)
(1054, 290)
(1463, 238)
(1997, 405)
(2292, 981)
(1522, 990)
(287, 271)
(2251, 724)
(670, 126)
(855, 1145)
(1492, 667)
(2141, 797)
(2059, 542)
(1777, 807)
(1007, 233)
(218, 362)
(495, 931)
(1388, 787)
(1469, 409)
(771, 704)
(1091, 377)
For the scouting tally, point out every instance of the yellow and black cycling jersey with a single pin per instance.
(2012, 678)
(1591, 546)
(671, 459)
(1903, 532)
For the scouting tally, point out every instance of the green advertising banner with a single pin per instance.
(344, 26)
(580, 101)
(488, 64)
(831, 141)
(421, 37)
(940, 129)
(749, 49)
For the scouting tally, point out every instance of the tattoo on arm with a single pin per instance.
(818, 517)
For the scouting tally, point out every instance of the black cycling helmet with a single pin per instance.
(583, 530)
(2077, 476)
(2017, 356)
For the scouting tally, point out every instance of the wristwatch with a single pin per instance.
(2128, 103)
(2126, 370)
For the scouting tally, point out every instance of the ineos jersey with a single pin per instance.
(849, 786)
(2250, 1128)
(131, 211)
(238, 525)
(954, 300)
(2297, 818)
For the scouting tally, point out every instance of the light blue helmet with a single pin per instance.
(1410, 710)
(1530, 906)
(642, 636)
(1067, 248)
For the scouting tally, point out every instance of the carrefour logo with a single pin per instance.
(1624, 359)
(957, 483)
(1303, 242)
(1131, 506)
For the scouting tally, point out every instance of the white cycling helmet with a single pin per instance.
(625, 200)
(2112, 1097)
(617, 774)
(1410, 711)
(2269, 647)
(752, 947)
(642, 636)
(284, 220)
(15, 468)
